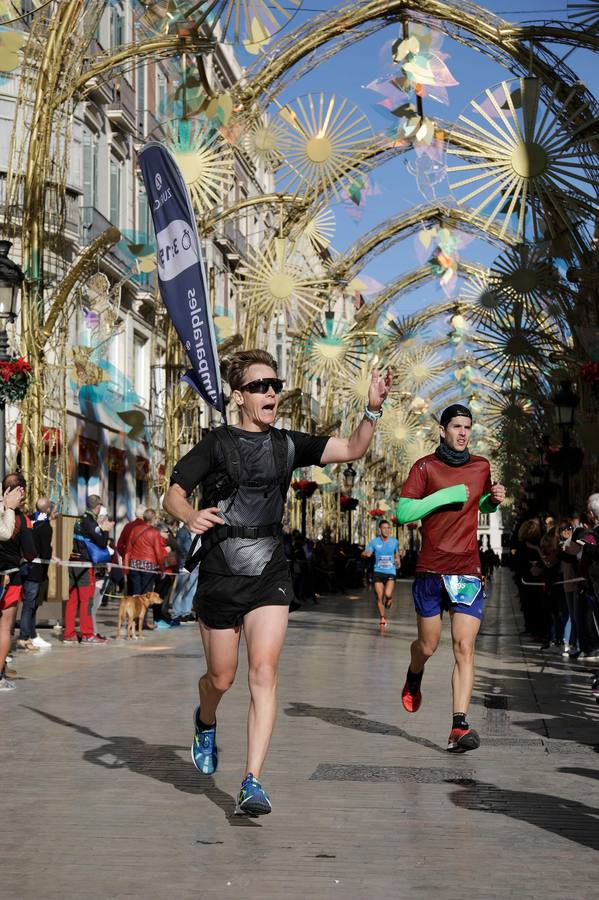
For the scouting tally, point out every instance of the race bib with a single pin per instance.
(385, 562)
(464, 589)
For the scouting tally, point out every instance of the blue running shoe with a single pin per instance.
(204, 752)
(253, 799)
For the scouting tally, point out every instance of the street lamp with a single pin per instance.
(378, 491)
(565, 401)
(11, 279)
(349, 477)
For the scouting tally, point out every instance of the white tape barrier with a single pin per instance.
(84, 564)
(544, 584)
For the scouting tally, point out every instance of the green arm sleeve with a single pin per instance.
(486, 505)
(409, 510)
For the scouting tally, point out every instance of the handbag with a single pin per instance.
(97, 555)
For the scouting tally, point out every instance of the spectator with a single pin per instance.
(185, 584)
(569, 574)
(35, 576)
(528, 569)
(144, 558)
(121, 545)
(164, 583)
(90, 538)
(587, 603)
(13, 549)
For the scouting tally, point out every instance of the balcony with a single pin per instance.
(231, 242)
(93, 223)
(121, 111)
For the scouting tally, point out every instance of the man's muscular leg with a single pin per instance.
(379, 593)
(429, 634)
(464, 629)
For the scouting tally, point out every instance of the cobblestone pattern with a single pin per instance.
(100, 799)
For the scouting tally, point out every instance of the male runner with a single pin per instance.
(386, 563)
(446, 490)
(244, 579)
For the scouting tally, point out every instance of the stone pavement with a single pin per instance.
(100, 799)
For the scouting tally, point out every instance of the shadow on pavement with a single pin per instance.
(353, 718)
(159, 761)
(568, 819)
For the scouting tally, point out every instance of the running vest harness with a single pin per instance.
(222, 485)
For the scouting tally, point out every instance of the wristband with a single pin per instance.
(372, 416)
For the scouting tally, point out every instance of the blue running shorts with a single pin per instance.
(431, 598)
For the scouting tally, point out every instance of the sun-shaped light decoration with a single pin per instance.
(205, 159)
(585, 13)
(480, 299)
(501, 410)
(399, 428)
(399, 334)
(325, 144)
(514, 348)
(522, 154)
(419, 367)
(279, 282)
(233, 21)
(333, 351)
(319, 229)
(523, 274)
(263, 139)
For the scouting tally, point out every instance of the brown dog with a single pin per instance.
(132, 609)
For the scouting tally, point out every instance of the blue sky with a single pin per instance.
(347, 75)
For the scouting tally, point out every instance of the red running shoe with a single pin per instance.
(411, 702)
(462, 739)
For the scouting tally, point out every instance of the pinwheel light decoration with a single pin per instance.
(278, 283)
(205, 159)
(422, 66)
(524, 156)
(325, 144)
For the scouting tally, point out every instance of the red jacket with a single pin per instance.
(145, 543)
(125, 535)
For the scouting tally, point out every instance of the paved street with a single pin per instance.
(100, 799)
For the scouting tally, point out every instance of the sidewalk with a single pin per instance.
(100, 799)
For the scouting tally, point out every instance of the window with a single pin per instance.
(115, 193)
(117, 27)
(161, 95)
(90, 169)
(140, 97)
(140, 367)
(143, 210)
(484, 520)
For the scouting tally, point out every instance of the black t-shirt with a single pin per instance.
(249, 505)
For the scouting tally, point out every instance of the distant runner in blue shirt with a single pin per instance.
(387, 560)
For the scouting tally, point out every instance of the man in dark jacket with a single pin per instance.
(35, 576)
(18, 547)
(82, 581)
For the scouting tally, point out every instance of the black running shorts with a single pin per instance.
(382, 578)
(221, 601)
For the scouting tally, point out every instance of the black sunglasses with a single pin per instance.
(261, 385)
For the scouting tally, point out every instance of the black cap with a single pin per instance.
(456, 409)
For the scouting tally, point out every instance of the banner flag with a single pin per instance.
(181, 270)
